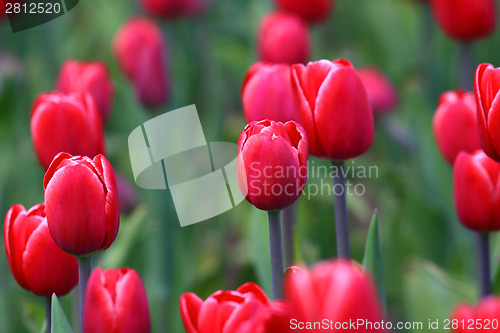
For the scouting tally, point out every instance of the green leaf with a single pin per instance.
(59, 322)
(372, 260)
(259, 242)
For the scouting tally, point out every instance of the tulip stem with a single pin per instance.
(483, 246)
(288, 226)
(84, 269)
(48, 314)
(466, 67)
(340, 205)
(276, 253)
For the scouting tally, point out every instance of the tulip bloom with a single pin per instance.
(465, 20)
(475, 189)
(336, 290)
(310, 10)
(381, 93)
(82, 203)
(267, 93)
(246, 309)
(139, 48)
(91, 77)
(465, 316)
(283, 38)
(36, 262)
(272, 163)
(333, 108)
(486, 88)
(173, 8)
(455, 124)
(116, 302)
(69, 123)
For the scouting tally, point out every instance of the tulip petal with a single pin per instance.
(207, 316)
(493, 129)
(99, 313)
(190, 305)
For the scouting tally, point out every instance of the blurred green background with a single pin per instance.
(428, 257)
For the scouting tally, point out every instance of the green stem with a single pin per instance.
(466, 67)
(84, 269)
(288, 227)
(483, 246)
(340, 205)
(48, 314)
(276, 253)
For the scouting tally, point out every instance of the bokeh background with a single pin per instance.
(428, 256)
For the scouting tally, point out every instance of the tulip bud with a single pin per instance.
(475, 189)
(82, 203)
(381, 93)
(283, 38)
(91, 77)
(36, 262)
(333, 108)
(337, 290)
(141, 54)
(455, 124)
(69, 123)
(465, 20)
(485, 314)
(272, 163)
(267, 93)
(173, 8)
(116, 302)
(486, 89)
(310, 10)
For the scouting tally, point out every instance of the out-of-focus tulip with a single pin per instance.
(336, 290)
(69, 123)
(465, 316)
(36, 262)
(311, 10)
(246, 309)
(267, 93)
(173, 8)
(333, 108)
(272, 163)
(486, 88)
(90, 77)
(381, 93)
(283, 38)
(465, 20)
(475, 189)
(81, 203)
(116, 302)
(455, 124)
(139, 48)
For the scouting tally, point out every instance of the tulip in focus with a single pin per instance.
(486, 313)
(82, 204)
(465, 20)
(272, 163)
(65, 122)
(455, 124)
(91, 77)
(36, 262)
(141, 54)
(116, 302)
(381, 93)
(475, 189)
(333, 109)
(310, 10)
(173, 8)
(283, 38)
(267, 93)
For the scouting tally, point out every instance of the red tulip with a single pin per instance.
(82, 204)
(116, 302)
(337, 290)
(69, 123)
(311, 10)
(246, 309)
(272, 163)
(475, 189)
(140, 51)
(36, 262)
(173, 8)
(283, 38)
(486, 88)
(455, 124)
(465, 317)
(465, 20)
(267, 93)
(333, 108)
(91, 77)
(381, 93)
